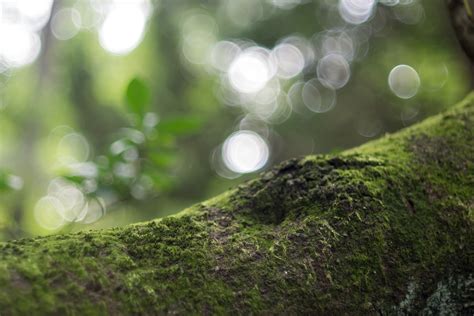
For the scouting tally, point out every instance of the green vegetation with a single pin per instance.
(383, 228)
(132, 102)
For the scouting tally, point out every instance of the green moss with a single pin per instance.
(385, 228)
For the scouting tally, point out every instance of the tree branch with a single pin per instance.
(384, 228)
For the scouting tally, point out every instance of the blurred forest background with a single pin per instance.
(113, 112)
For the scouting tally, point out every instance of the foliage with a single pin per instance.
(138, 163)
(137, 96)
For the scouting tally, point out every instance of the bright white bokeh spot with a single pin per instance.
(334, 71)
(19, 46)
(122, 29)
(244, 152)
(404, 81)
(34, 8)
(356, 11)
(250, 71)
(289, 59)
(35, 12)
(47, 213)
(318, 98)
(66, 23)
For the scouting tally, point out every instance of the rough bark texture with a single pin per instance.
(462, 18)
(386, 228)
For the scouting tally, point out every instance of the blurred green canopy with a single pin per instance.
(114, 111)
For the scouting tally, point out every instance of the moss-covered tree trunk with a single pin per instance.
(385, 228)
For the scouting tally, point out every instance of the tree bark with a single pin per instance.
(462, 20)
(386, 228)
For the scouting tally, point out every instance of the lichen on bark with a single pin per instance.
(386, 228)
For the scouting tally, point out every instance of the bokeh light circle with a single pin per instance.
(289, 59)
(48, 213)
(122, 29)
(317, 97)
(19, 45)
(66, 23)
(245, 151)
(404, 81)
(334, 70)
(356, 11)
(250, 71)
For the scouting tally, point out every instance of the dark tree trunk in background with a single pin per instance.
(462, 19)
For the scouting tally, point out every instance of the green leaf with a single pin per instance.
(3, 182)
(137, 96)
(179, 125)
(73, 178)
